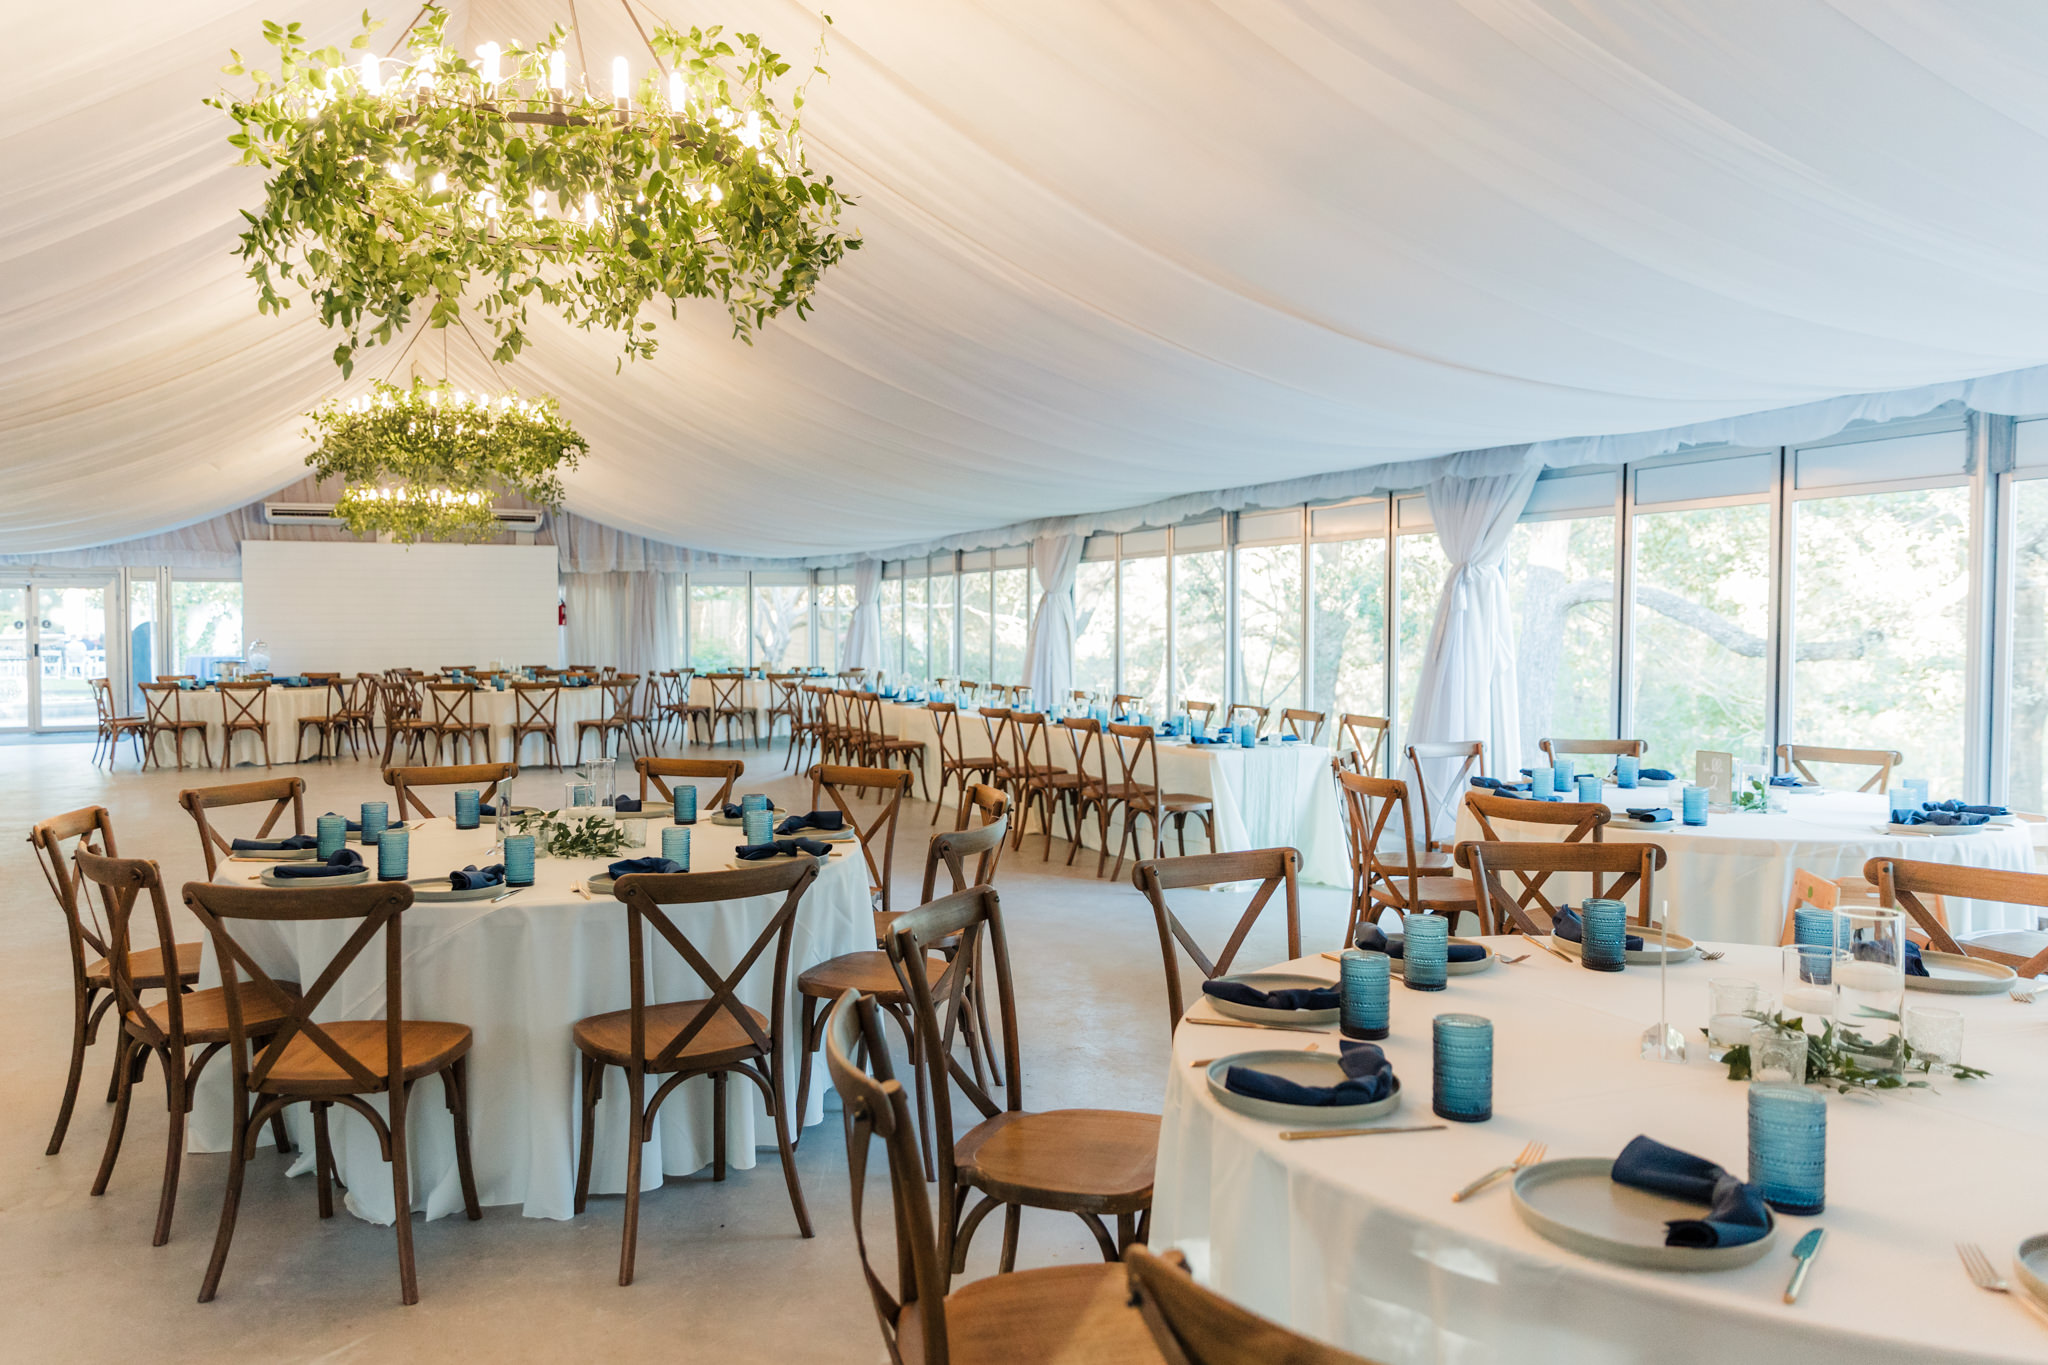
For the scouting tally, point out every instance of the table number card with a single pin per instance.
(1715, 772)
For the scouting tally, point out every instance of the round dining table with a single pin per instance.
(1355, 1240)
(520, 971)
(1731, 877)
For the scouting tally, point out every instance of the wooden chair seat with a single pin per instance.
(1436, 864)
(609, 1036)
(1173, 803)
(146, 968)
(868, 972)
(1056, 1315)
(206, 1013)
(1436, 892)
(1086, 1160)
(425, 1047)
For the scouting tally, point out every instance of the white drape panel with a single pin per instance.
(592, 602)
(862, 647)
(1467, 686)
(1049, 652)
(624, 620)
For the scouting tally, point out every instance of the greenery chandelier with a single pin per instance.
(434, 179)
(421, 462)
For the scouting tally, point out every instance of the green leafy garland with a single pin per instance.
(593, 836)
(432, 183)
(1831, 1058)
(422, 462)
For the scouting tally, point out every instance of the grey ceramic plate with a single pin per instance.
(437, 889)
(356, 878)
(2030, 1266)
(1455, 968)
(295, 855)
(778, 812)
(1576, 1204)
(742, 864)
(1938, 831)
(1303, 1068)
(1953, 974)
(1653, 951)
(1274, 981)
(647, 812)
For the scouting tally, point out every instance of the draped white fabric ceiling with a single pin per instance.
(1115, 252)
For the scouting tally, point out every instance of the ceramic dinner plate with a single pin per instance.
(1654, 949)
(355, 878)
(827, 836)
(289, 855)
(1303, 1068)
(778, 812)
(1938, 831)
(1628, 822)
(1274, 981)
(437, 889)
(1455, 968)
(1576, 1203)
(1954, 974)
(742, 864)
(2030, 1266)
(649, 811)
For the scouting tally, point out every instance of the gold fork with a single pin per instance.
(1978, 1266)
(1531, 1154)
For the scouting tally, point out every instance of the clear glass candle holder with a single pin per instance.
(1604, 934)
(1627, 770)
(1693, 803)
(375, 816)
(332, 833)
(1872, 986)
(1589, 786)
(1363, 981)
(1788, 1147)
(1462, 1067)
(1777, 1056)
(468, 808)
(1425, 952)
(686, 805)
(1936, 1037)
(1731, 1014)
(1807, 988)
(675, 845)
(394, 847)
(519, 860)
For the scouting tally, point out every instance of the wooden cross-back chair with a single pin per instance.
(284, 793)
(328, 1062)
(92, 987)
(955, 766)
(1000, 734)
(879, 747)
(1041, 780)
(888, 786)
(112, 726)
(451, 713)
(1204, 709)
(1554, 749)
(619, 716)
(1880, 761)
(803, 721)
(724, 771)
(402, 700)
(165, 1031)
(1908, 885)
(1441, 799)
(1085, 741)
(537, 711)
(163, 706)
(1093, 1163)
(1139, 792)
(1831, 893)
(719, 1035)
(1123, 703)
(1577, 820)
(333, 721)
(690, 716)
(406, 782)
(784, 701)
(728, 706)
(1238, 709)
(1054, 1315)
(1273, 868)
(1403, 879)
(244, 709)
(1293, 720)
(1364, 740)
(1631, 866)
(1192, 1325)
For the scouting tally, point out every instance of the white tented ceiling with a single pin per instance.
(1114, 252)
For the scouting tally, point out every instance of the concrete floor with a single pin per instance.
(721, 1275)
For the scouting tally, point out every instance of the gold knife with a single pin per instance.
(1246, 1023)
(1302, 1135)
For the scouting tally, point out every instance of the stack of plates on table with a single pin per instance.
(280, 855)
(1954, 974)
(1303, 1068)
(1657, 946)
(355, 878)
(1576, 1203)
(1274, 981)
(830, 836)
(438, 889)
(649, 811)
(718, 817)
(1455, 968)
(1933, 829)
(742, 864)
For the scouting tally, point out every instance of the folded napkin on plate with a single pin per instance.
(1375, 940)
(1238, 993)
(1914, 966)
(1786, 780)
(1941, 817)
(817, 819)
(1959, 808)
(1565, 925)
(342, 863)
(1369, 1077)
(353, 827)
(625, 803)
(1290, 739)
(732, 810)
(1656, 774)
(1214, 739)
(781, 848)
(626, 867)
(1877, 952)
(288, 845)
(1648, 814)
(1735, 1212)
(472, 877)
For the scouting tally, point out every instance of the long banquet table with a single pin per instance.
(1356, 1240)
(520, 973)
(1730, 878)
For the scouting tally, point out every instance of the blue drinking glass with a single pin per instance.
(375, 815)
(1918, 787)
(1901, 802)
(583, 794)
(752, 802)
(519, 860)
(468, 808)
(1426, 953)
(675, 846)
(1540, 782)
(1788, 1147)
(1589, 786)
(1562, 776)
(1247, 737)
(393, 847)
(1604, 925)
(332, 831)
(1362, 981)
(1627, 768)
(1695, 805)
(1198, 729)
(686, 805)
(758, 826)
(1814, 927)
(1462, 1067)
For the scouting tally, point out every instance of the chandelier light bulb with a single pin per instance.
(750, 135)
(439, 183)
(622, 83)
(590, 208)
(373, 83)
(678, 94)
(488, 63)
(558, 71)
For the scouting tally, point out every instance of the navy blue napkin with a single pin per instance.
(1648, 814)
(342, 863)
(1786, 780)
(1238, 993)
(1373, 939)
(1369, 1076)
(1941, 817)
(1565, 925)
(781, 848)
(286, 845)
(817, 819)
(1914, 966)
(1736, 1214)
(1656, 774)
(1959, 808)
(353, 827)
(1876, 952)
(1213, 739)
(1494, 784)
(472, 877)
(626, 867)
(625, 803)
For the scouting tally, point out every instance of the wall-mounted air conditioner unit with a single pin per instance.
(322, 514)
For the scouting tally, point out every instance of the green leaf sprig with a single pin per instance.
(1831, 1058)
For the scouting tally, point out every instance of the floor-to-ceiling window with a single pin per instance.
(2026, 707)
(1420, 568)
(891, 604)
(1143, 619)
(142, 637)
(1009, 620)
(939, 618)
(206, 624)
(977, 618)
(1094, 619)
(782, 621)
(1269, 610)
(1561, 589)
(718, 623)
(1348, 610)
(1201, 607)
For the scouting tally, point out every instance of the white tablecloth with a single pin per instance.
(1356, 1241)
(285, 705)
(1730, 879)
(755, 695)
(520, 973)
(1276, 795)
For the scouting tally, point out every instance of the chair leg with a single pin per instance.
(812, 1034)
(1013, 1218)
(79, 1010)
(174, 1145)
(636, 1137)
(323, 1160)
(785, 1143)
(230, 1203)
(455, 1089)
(717, 1125)
(592, 1089)
(401, 1199)
(127, 1061)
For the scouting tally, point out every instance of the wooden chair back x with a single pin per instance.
(970, 856)
(724, 771)
(1139, 792)
(1629, 865)
(405, 783)
(284, 793)
(1578, 821)
(1195, 1326)
(1243, 712)
(1400, 877)
(1554, 749)
(1364, 738)
(244, 709)
(1440, 799)
(1911, 886)
(537, 711)
(1880, 761)
(1306, 726)
(888, 786)
(1274, 868)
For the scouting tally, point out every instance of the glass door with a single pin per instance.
(14, 656)
(53, 643)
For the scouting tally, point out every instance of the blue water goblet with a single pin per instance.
(519, 860)
(374, 817)
(468, 808)
(1589, 786)
(1604, 929)
(332, 832)
(758, 826)
(1694, 805)
(1362, 988)
(1426, 952)
(686, 805)
(675, 846)
(394, 846)
(1627, 768)
(1788, 1147)
(1461, 1067)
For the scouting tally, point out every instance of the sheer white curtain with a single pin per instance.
(1049, 653)
(863, 646)
(1467, 687)
(625, 620)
